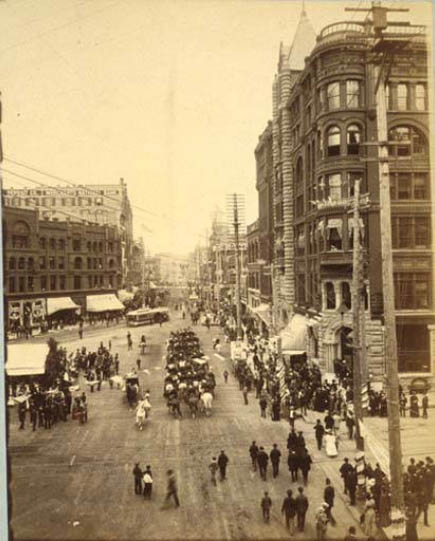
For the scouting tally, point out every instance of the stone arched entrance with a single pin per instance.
(336, 341)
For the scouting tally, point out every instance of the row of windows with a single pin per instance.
(336, 188)
(405, 97)
(411, 232)
(326, 235)
(23, 284)
(60, 244)
(53, 201)
(52, 263)
(340, 94)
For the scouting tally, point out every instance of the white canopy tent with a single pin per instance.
(26, 359)
(103, 303)
(57, 304)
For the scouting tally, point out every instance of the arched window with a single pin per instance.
(346, 295)
(21, 235)
(78, 263)
(333, 139)
(330, 296)
(353, 139)
(407, 141)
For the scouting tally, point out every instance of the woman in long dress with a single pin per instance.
(330, 444)
(147, 405)
(370, 526)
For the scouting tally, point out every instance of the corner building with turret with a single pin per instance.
(324, 138)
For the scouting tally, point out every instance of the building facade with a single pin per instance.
(103, 204)
(260, 237)
(47, 259)
(327, 140)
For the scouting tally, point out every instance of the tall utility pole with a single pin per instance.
(143, 276)
(356, 311)
(235, 210)
(382, 45)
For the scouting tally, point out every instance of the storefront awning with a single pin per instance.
(26, 359)
(60, 303)
(263, 312)
(294, 337)
(103, 303)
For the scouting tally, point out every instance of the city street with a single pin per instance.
(75, 481)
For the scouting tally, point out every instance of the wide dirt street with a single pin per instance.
(75, 481)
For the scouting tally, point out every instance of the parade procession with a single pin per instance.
(218, 270)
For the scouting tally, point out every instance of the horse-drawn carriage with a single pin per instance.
(132, 389)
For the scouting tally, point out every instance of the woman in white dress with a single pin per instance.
(147, 405)
(330, 444)
(140, 414)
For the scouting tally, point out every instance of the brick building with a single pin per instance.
(324, 122)
(103, 204)
(51, 264)
(260, 236)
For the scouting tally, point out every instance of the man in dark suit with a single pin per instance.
(275, 456)
(289, 510)
(262, 460)
(302, 505)
(222, 463)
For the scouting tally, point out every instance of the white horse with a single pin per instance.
(207, 403)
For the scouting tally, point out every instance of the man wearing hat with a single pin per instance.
(148, 483)
(222, 463)
(137, 473)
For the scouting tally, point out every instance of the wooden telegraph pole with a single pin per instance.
(356, 312)
(382, 45)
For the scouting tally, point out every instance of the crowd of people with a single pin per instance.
(189, 379)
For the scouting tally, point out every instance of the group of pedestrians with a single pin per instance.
(143, 485)
(260, 459)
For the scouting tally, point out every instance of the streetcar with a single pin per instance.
(147, 316)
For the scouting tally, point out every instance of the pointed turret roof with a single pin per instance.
(303, 42)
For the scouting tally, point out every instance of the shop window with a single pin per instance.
(300, 289)
(21, 284)
(346, 294)
(333, 138)
(353, 139)
(404, 186)
(413, 348)
(335, 188)
(420, 97)
(353, 93)
(412, 291)
(330, 296)
(12, 263)
(333, 95)
(402, 97)
(421, 186)
(62, 282)
(422, 232)
(406, 141)
(334, 240)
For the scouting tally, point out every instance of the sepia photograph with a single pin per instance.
(218, 270)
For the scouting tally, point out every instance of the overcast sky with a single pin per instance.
(170, 95)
